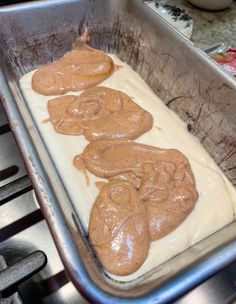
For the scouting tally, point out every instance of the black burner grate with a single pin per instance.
(14, 189)
(14, 185)
(11, 187)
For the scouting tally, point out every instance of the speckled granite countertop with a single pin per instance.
(210, 28)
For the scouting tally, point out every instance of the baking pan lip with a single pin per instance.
(33, 5)
(71, 257)
(37, 4)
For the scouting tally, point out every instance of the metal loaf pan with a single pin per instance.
(184, 77)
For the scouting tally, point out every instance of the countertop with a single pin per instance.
(210, 28)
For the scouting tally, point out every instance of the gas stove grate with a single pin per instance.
(14, 189)
(13, 184)
(13, 181)
(23, 228)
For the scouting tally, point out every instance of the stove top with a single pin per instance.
(23, 230)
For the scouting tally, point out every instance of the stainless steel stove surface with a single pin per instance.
(24, 230)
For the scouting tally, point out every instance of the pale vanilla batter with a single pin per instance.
(217, 197)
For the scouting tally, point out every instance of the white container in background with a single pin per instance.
(212, 5)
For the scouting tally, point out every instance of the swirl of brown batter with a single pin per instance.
(99, 112)
(81, 68)
(118, 228)
(162, 177)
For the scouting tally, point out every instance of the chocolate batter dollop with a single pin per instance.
(162, 177)
(81, 68)
(99, 112)
(118, 228)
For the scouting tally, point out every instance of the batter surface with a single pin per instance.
(217, 198)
